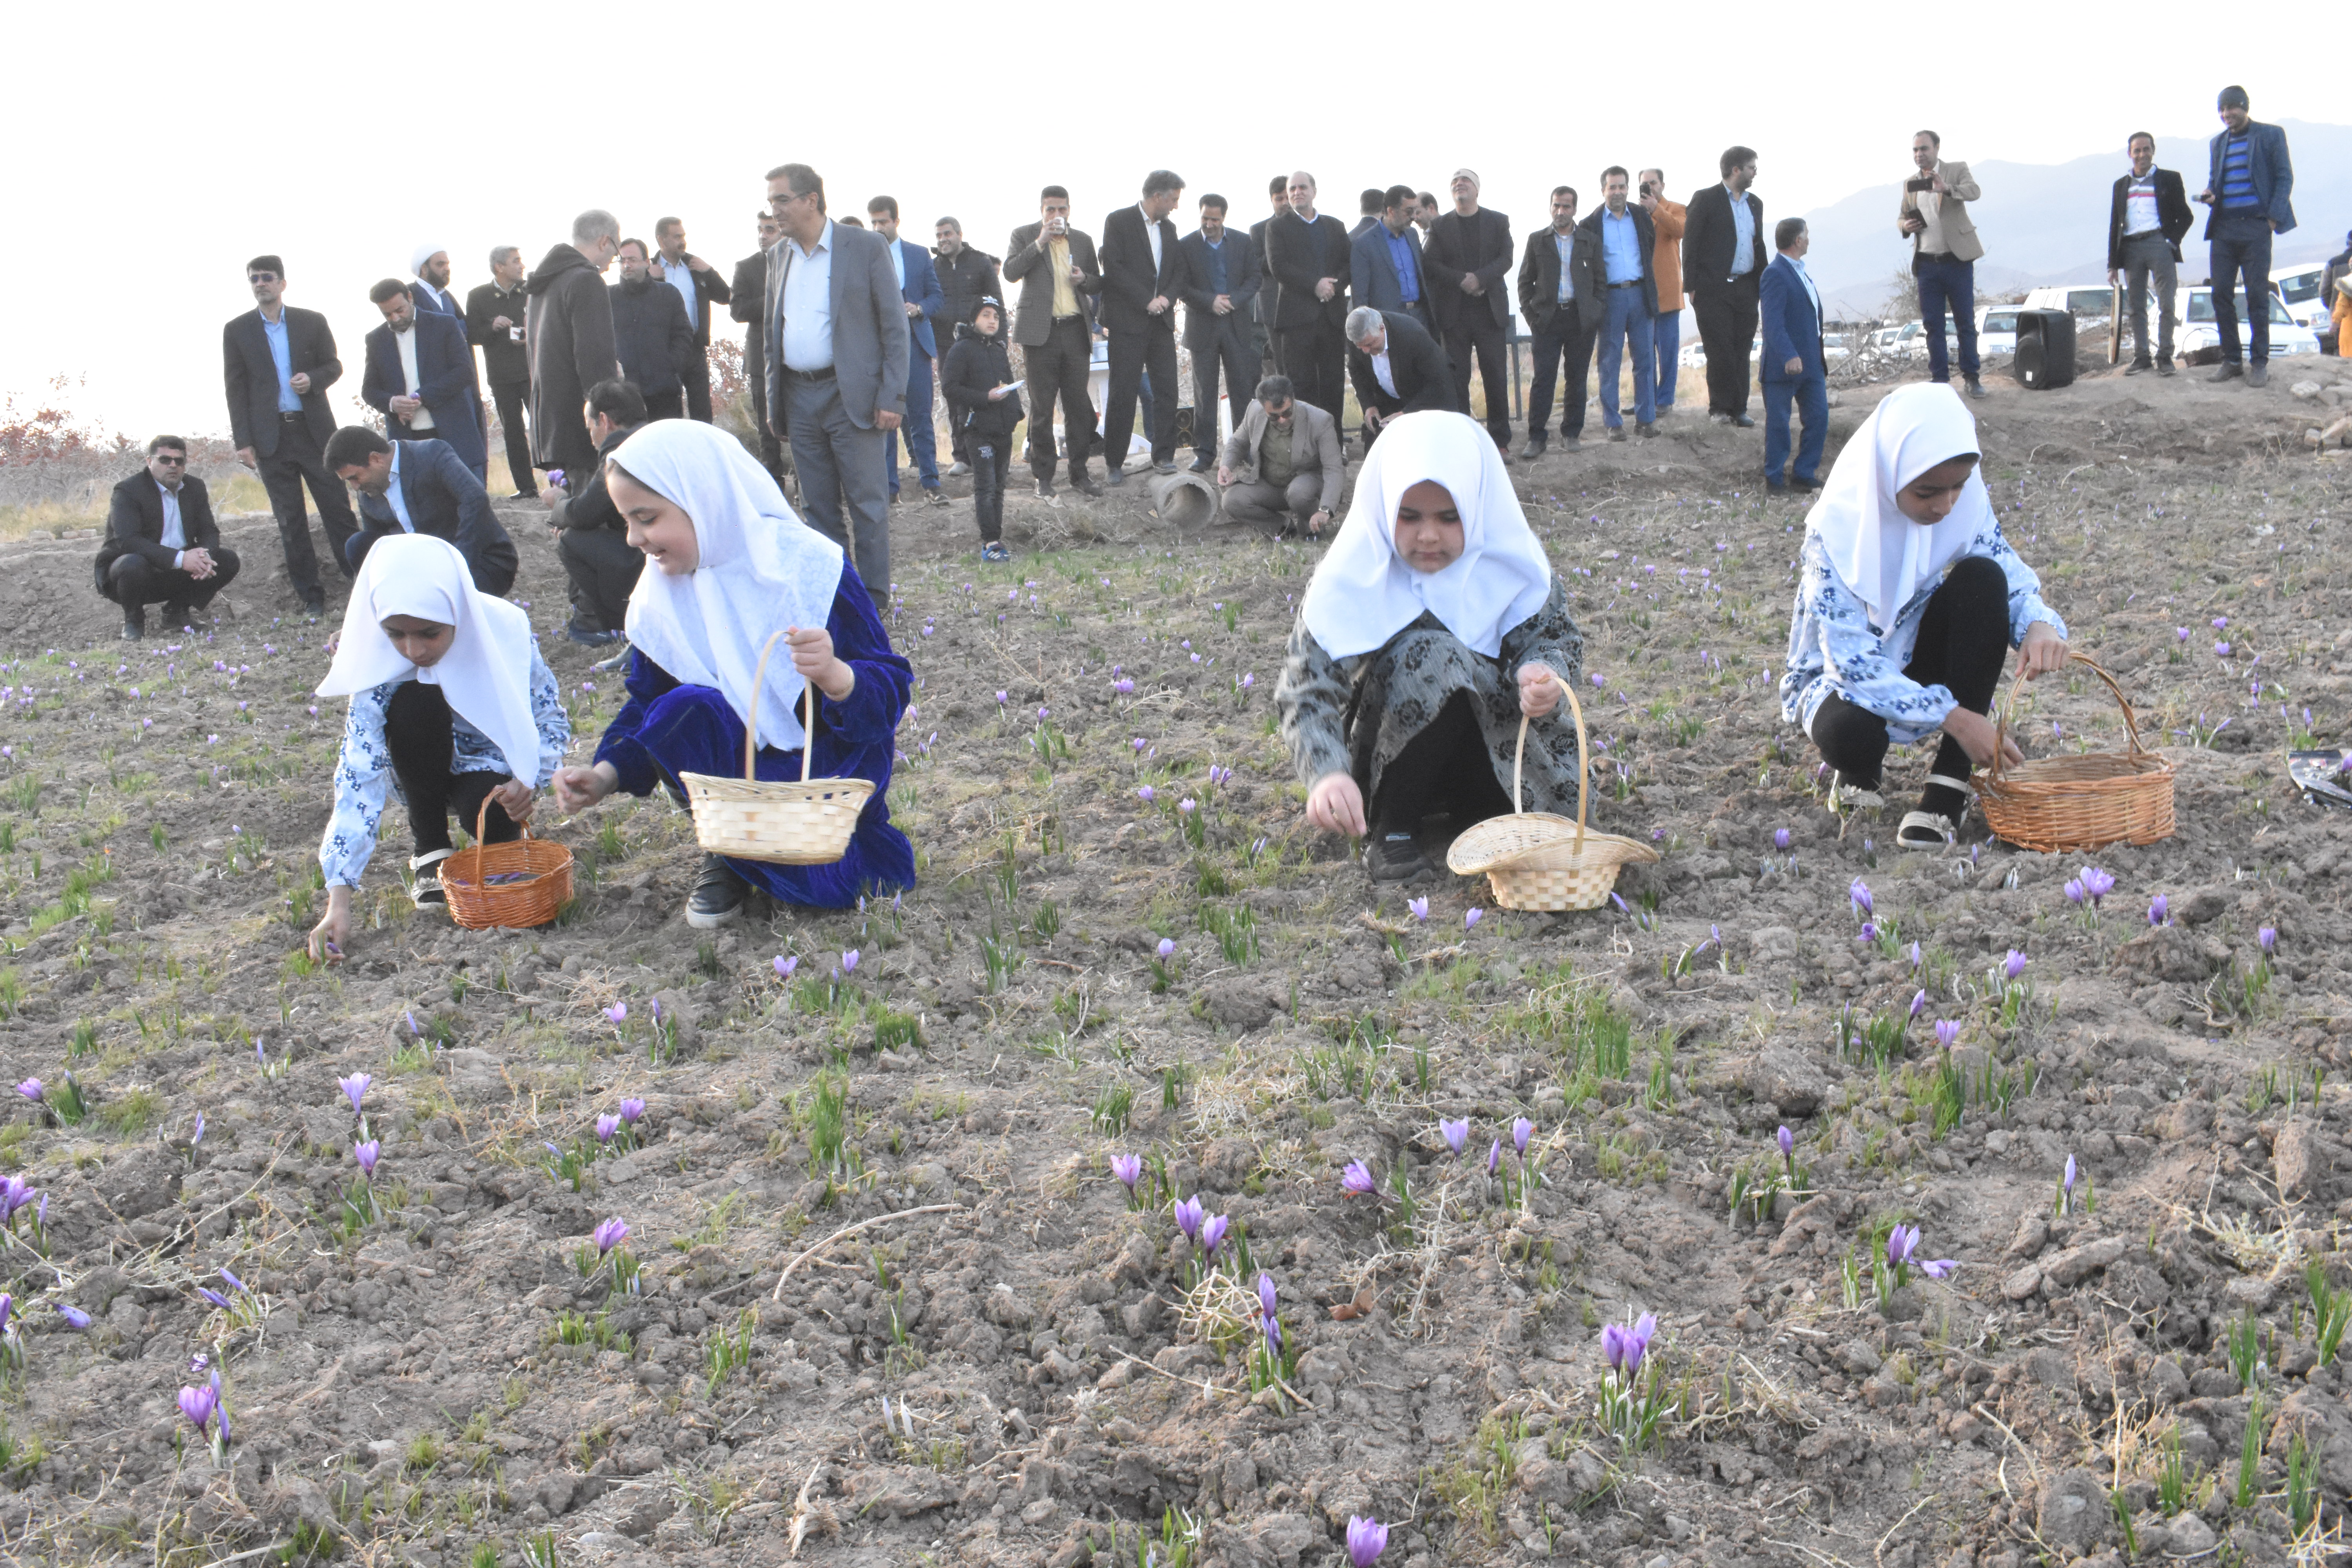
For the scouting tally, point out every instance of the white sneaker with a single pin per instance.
(961, 470)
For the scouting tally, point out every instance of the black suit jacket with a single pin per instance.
(1243, 275)
(2172, 214)
(134, 521)
(1590, 267)
(1129, 278)
(1269, 292)
(1423, 378)
(445, 500)
(251, 374)
(1708, 239)
(508, 362)
(1480, 243)
(1299, 254)
(1028, 261)
(709, 288)
(748, 302)
(1538, 281)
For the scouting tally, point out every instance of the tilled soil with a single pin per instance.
(890, 1178)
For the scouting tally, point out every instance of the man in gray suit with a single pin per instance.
(837, 352)
(1282, 466)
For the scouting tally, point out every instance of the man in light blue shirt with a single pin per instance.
(1621, 234)
(700, 286)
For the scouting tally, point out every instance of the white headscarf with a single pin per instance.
(1363, 594)
(422, 253)
(762, 569)
(1881, 555)
(486, 674)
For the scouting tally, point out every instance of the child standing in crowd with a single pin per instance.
(983, 405)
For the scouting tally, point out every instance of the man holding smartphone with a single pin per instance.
(2247, 186)
(1934, 216)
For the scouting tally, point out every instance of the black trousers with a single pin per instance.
(755, 370)
(695, 373)
(1563, 350)
(1230, 347)
(603, 566)
(1315, 358)
(1134, 355)
(670, 405)
(417, 733)
(989, 455)
(1474, 333)
(1727, 327)
(1442, 771)
(510, 399)
(1963, 644)
(1058, 367)
(133, 582)
(299, 459)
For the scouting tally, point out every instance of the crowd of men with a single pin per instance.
(849, 327)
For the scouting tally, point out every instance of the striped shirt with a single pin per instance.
(2140, 215)
(2237, 173)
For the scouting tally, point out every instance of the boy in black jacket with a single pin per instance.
(984, 406)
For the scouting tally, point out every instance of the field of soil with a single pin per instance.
(882, 1297)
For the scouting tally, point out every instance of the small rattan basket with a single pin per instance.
(521, 883)
(2058, 806)
(1536, 860)
(787, 824)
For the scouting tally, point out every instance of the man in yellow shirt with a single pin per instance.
(1054, 265)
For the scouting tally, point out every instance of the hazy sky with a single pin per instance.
(158, 147)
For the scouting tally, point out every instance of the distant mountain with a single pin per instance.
(2044, 222)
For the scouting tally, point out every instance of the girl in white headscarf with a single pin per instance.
(731, 566)
(450, 703)
(1431, 625)
(1908, 602)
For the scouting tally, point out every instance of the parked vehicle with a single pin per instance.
(2199, 331)
(2297, 288)
(1997, 330)
(2087, 301)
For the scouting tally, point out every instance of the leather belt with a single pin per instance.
(824, 375)
(294, 418)
(1635, 284)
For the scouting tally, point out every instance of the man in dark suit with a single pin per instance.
(1368, 214)
(1221, 274)
(568, 327)
(1551, 306)
(651, 336)
(2147, 218)
(1397, 367)
(1615, 266)
(421, 486)
(967, 275)
(592, 536)
(1054, 265)
(1142, 278)
(420, 377)
(1269, 293)
(1469, 255)
(698, 286)
(430, 293)
(920, 296)
(1723, 269)
(1794, 367)
(2248, 182)
(278, 363)
(747, 301)
(1307, 253)
(161, 543)
(836, 327)
(494, 315)
(1384, 266)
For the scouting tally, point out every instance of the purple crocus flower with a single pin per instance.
(631, 1110)
(1145, 794)
(609, 1235)
(199, 1405)
(75, 1317)
(1860, 894)
(1271, 1329)
(1213, 1232)
(1418, 908)
(1265, 1292)
(849, 961)
(617, 1014)
(606, 1125)
(353, 1088)
(2221, 649)
(2070, 1181)
(1918, 1003)
(1788, 1141)
(1947, 1031)
(1521, 1131)
(1622, 1345)
(1915, 954)
(2014, 966)
(1356, 1180)
(2096, 884)
(2268, 936)
(197, 1137)
(1454, 1132)
(1780, 838)
(1187, 805)
(1188, 1218)
(366, 1154)
(1939, 1269)
(1167, 947)
(1901, 1243)
(1367, 1539)
(1129, 1169)
(1869, 932)
(234, 1282)
(1495, 1157)
(1123, 686)
(214, 1296)
(31, 1090)
(785, 965)
(2159, 911)
(2074, 891)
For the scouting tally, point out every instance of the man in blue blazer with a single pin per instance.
(420, 377)
(918, 287)
(1222, 274)
(421, 486)
(1794, 367)
(2247, 184)
(1385, 267)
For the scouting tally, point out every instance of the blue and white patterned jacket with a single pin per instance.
(1832, 647)
(363, 773)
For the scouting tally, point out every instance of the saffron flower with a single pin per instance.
(1788, 1141)
(214, 1296)
(1918, 1003)
(1187, 805)
(849, 961)
(1622, 1345)
(1901, 1243)
(1915, 954)
(2075, 890)
(609, 1235)
(1167, 947)
(1265, 1292)
(2159, 911)
(785, 965)
(2223, 649)
(1860, 893)
(617, 1014)
(1947, 1031)
(1418, 908)
(1213, 1232)
(234, 1283)
(1188, 1218)
(1495, 1156)
(367, 1154)
(199, 1405)
(2096, 884)
(353, 1088)
(606, 1125)
(1521, 1131)
(74, 1316)
(1869, 932)
(1356, 1180)
(1129, 1169)
(1145, 794)
(1367, 1538)
(2068, 1189)
(1470, 921)
(31, 1090)
(1780, 838)
(2268, 936)
(632, 1110)
(1124, 686)
(1454, 1132)
(1939, 1267)
(2014, 966)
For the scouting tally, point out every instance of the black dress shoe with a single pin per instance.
(1396, 857)
(1804, 484)
(1744, 422)
(1084, 485)
(718, 895)
(1202, 463)
(134, 626)
(1975, 386)
(1532, 450)
(1168, 467)
(314, 604)
(1116, 477)
(1044, 489)
(1777, 487)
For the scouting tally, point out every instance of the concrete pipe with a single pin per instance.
(1184, 498)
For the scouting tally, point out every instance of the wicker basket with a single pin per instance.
(787, 824)
(2060, 805)
(1536, 860)
(522, 882)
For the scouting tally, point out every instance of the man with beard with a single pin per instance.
(1469, 255)
(698, 286)
(568, 327)
(430, 292)
(494, 315)
(1269, 294)
(650, 333)
(420, 377)
(967, 275)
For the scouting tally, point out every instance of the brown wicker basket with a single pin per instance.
(786, 824)
(2060, 805)
(522, 882)
(1538, 860)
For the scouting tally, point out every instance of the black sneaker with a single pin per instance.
(2139, 367)
(718, 895)
(1396, 857)
(2228, 369)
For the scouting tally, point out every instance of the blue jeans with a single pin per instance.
(2242, 245)
(1812, 396)
(1628, 320)
(922, 441)
(1666, 327)
(1947, 285)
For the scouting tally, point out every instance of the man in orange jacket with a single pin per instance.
(1666, 219)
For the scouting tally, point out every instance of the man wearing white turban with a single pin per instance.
(430, 263)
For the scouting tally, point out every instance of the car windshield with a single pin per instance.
(2201, 307)
(1999, 321)
(2299, 287)
(2096, 301)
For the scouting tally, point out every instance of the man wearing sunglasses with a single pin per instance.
(161, 543)
(279, 361)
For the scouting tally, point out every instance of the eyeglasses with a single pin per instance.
(170, 461)
(261, 277)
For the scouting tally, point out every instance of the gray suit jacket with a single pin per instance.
(1314, 441)
(869, 325)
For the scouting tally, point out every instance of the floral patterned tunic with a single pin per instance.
(1832, 647)
(363, 773)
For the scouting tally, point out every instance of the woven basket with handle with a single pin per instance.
(788, 823)
(1536, 860)
(2060, 804)
(523, 882)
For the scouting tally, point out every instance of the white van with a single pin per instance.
(1997, 330)
(2088, 302)
(2199, 331)
(2297, 288)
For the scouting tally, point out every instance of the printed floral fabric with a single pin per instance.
(363, 773)
(1401, 686)
(1832, 647)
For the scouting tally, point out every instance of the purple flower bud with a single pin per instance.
(2158, 911)
(1188, 1218)
(1470, 921)
(1780, 838)
(1265, 1292)
(1901, 1242)
(1213, 1232)
(198, 1406)
(31, 1090)
(2268, 936)
(610, 1235)
(2014, 966)
(1521, 1131)
(1918, 1003)
(1495, 1156)
(2222, 649)
(630, 1109)
(1123, 686)
(1788, 1141)
(785, 965)
(1167, 947)
(2220, 623)
(1454, 1133)
(1367, 1539)
(214, 1296)
(2070, 1176)
(353, 1088)
(606, 1125)
(1187, 804)
(1947, 1031)
(234, 1282)
(366, 1154)
(617, 1014)
(1869, 932)
(74, 1316)
(1860, 895)
(1418, 908)
(1127, 1168)
(849, 961)
(1356, 1180)
(1145, 794)
(1939, 1268)
(2073, 891)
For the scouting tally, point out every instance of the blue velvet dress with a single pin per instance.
(667, 729)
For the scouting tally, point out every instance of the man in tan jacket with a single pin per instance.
(1933, 214)
(1282, 465)
(1666, 220)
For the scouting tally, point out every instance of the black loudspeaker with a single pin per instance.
(2045, 349)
